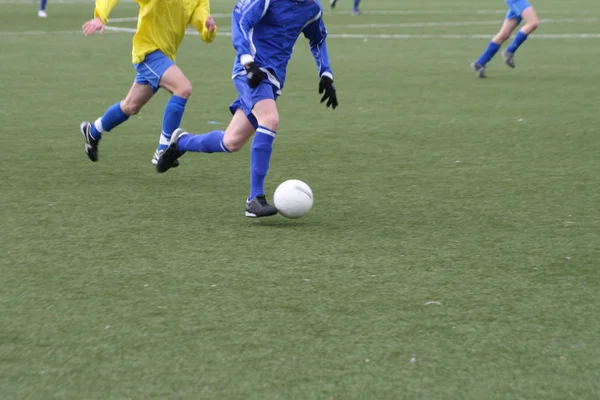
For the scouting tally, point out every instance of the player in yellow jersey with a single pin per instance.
(160, 30)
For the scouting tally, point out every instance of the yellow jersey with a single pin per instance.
(162, 24)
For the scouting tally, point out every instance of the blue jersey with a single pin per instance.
(265, 31)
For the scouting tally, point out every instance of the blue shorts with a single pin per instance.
(516, 8)
(248, 97)
(152, 69)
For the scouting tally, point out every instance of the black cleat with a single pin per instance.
(332, 3)
(258, 207)
(168, 158)
(157, 155)
(91, 144)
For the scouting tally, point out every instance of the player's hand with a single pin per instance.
(93, 25)
(326, 86)
(254, 74)
(210, 23)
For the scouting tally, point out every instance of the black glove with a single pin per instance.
(326, 85)
(254, 74)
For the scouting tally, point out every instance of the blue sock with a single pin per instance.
(172, 119)
(113, 117)
(517, 42)
(211, 142)
(487, 55)
(43, 5)
(356, 3)
(260, 155)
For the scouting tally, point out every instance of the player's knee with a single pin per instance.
(270, 121)
(130, 107)
(233, 145)
(533, 25)
(185, 90)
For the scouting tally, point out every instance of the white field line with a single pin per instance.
(366, 12)
(423, 24)
(465, 12)
(38, 33)
(331, 36)
(134, 19)
(369, 26)
(398, 36)
(541, 36)
(127, 19)
(456, 23)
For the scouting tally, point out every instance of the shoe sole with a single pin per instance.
(252, 215)
(175, 163)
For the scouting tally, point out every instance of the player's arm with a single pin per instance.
(101, 12)
(316, 33)
(204, 22)
(245, 16)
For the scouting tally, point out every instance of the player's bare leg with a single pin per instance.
(238, 132)
(175, 81)
(508, 26)
(531, 24)
(137, 97)
(532, 21)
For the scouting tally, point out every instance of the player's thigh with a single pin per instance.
(508, 26)
(266, 113)
(175, 81)
(238, 132)
(530, 16)
(139, 94)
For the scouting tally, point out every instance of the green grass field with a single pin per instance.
(452, 252)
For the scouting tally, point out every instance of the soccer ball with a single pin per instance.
(293, 198)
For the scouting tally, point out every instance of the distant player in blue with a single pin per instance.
(42, 10)
(517, 11)
(263, 33)
(355, 9)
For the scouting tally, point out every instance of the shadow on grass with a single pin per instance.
(284, 223)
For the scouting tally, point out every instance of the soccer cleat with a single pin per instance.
(479, 70)
(333, 3)
(258, 207)
(91, 144)
(356, 12)
(42, 14)
(157, 155)
(167, 158)
(509, 58)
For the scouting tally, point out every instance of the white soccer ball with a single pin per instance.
(293, 198)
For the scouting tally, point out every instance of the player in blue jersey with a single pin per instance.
(263, 33)
(517, 11)
(355, 9)
(42, 10)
